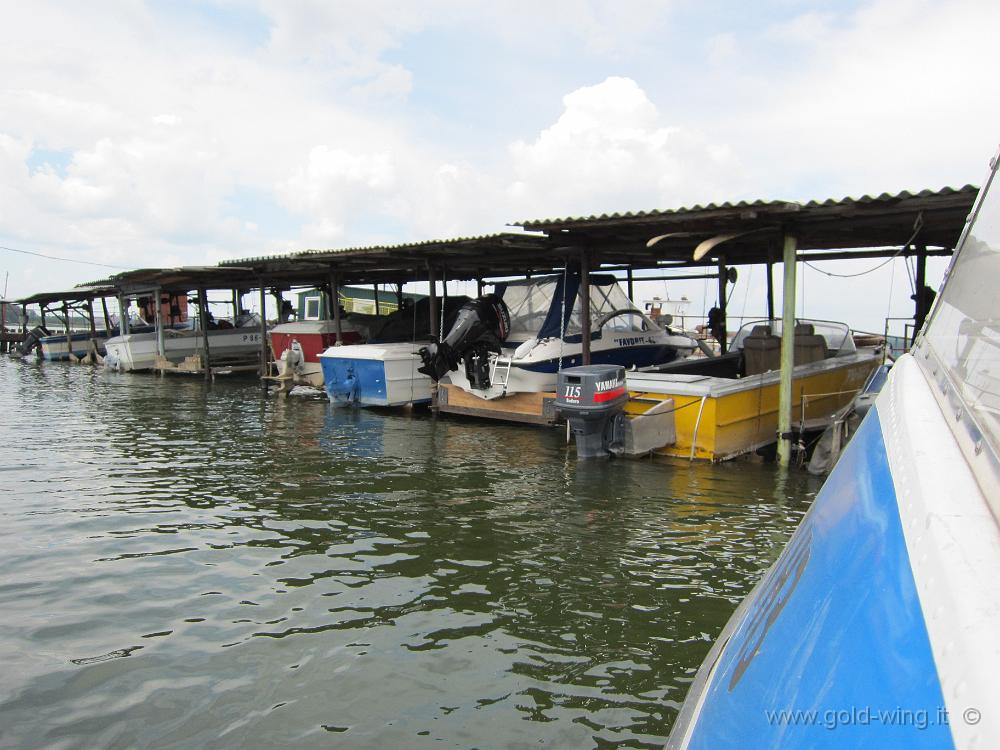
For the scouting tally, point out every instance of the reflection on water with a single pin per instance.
(187, 566)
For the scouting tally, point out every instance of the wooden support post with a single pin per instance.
(922, 300)
(723, 281)
(584, 308)
(631, 285)
(236, 304)
(161, 344)
(265, 364)
(41, 314)
(24, 320)
(123, 326)
(203, 317)
(375, 288)
(479, 286)
(107, 316)
(338, 325)
(399, 296)
(93, 331)
(69, 333)
(432, 300)
(789, 262)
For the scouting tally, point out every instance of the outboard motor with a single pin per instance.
(592, 399)
(480, 328)
(32, 339)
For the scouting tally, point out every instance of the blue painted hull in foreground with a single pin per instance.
(834, 635)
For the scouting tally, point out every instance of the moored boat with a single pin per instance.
(298, 345)
(542, 333)
(139, 351)
(727, 405)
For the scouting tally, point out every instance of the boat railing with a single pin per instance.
(896, 343)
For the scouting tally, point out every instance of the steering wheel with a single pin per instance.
(618, 313)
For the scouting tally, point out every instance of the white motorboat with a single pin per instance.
(518, 338)
(139, 351)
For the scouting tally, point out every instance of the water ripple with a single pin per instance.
(295, 573)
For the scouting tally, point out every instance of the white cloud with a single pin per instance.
(612, 150)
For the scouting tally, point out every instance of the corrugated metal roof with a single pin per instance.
(770, 205)
(499, 238)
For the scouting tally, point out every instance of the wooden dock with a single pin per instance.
(527, 408)
(8, 340)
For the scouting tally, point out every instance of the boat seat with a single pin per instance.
(809, 345)
(761, 351)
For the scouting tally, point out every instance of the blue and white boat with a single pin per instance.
(879, 625)
(375, 375)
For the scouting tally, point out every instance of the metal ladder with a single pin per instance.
(505, 374)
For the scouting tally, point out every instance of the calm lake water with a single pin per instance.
(191, 566)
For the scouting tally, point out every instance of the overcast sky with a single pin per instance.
(141, 134)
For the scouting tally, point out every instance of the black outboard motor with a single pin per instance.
(592, 399)
(32, 339)
(480, 328)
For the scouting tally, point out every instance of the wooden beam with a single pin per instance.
(432, 300)
(265, 357)
(203, 317)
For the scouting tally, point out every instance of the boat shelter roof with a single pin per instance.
(733, 233)
(80, 293)
(503, 254)
(752, 232)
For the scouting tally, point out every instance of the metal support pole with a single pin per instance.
(432, 300)
(770, 287)
(631, 285)
(338, 326)
(787, 351)
(399, 296)
(479, 286)
(585, 308)
(203, 317)
(264, 355)
(161, 345)
(375, 287)
(24, 320)
(723, 280)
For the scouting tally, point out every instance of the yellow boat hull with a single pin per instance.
(717, 419)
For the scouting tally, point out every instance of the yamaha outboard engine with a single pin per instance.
(592, 399)
(480, 328)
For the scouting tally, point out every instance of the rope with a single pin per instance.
(918, 225)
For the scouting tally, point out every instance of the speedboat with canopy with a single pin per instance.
(518, 338)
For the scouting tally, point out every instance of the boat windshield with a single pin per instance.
(963, 332)
(837, 336)
(610, 310)
(536, 307)
(529, 305)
